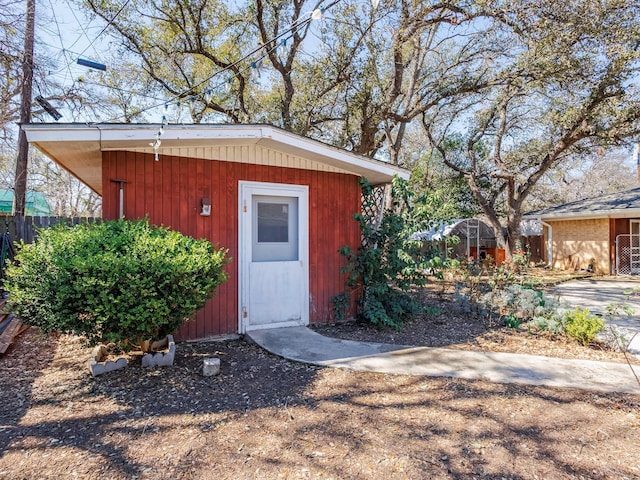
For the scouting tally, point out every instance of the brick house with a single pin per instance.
(600, 234)
(280, 203)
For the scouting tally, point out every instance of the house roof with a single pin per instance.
(615, 205)
(78, 147)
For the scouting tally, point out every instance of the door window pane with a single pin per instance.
(273, 222)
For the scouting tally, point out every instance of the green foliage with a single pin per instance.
(115, 281)
(549, 322)
(511, 321)
(437, 265)
(340, 304)
(578, 323)
(514, 304)
(440, 269)
(440, 194)
(520, 257)
(432, 310)
(582, 326)
(496, 293)
(387, 264)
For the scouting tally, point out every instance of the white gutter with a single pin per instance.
(600, 214)
(549, 242)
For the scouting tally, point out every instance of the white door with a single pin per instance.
(273, 251)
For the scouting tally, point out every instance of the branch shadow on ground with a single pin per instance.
(268, 414)
(20, 366)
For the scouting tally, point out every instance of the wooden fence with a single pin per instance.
(26, 228)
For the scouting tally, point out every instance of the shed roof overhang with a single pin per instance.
(78, 147)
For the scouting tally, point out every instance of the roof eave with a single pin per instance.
(613, 213)
(79, 147)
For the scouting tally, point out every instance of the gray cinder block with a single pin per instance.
(210, 367)
(161, 359)
(98, 365)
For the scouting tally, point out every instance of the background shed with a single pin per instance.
(477, 240)
(600, 234)
(36, 204)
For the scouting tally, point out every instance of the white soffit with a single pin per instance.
(78, 147)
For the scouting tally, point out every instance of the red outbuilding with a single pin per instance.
(280, 203)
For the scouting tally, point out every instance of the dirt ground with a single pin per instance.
(267, 418)
(446, 324)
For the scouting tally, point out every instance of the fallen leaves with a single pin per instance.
(265, 417)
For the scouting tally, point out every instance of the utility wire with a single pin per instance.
(82, 29)
(277, 41)
(105, 27)
(66, 52)
(298, 23)
(55, 20)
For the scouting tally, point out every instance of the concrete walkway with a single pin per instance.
(303, 345)
(598, 294)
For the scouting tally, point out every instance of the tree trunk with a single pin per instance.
(20, 186)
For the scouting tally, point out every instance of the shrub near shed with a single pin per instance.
(118, 281)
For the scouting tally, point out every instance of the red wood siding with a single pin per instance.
(617, 226)
(169, 193)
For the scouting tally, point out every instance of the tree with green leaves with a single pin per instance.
(182, 45)
(566, 86)
(586, 175)
(340, 71)
(505, 92)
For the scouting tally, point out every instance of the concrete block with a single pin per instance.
(210, 367)
(161, 359)
(98, 368)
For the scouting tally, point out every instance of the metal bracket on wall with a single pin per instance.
(120, 197)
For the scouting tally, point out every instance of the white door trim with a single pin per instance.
(246, 190)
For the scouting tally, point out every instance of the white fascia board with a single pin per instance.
(115, 137)
(614, 213)
(40, 133)
(178, 135)
(330, 154)
(120, 137)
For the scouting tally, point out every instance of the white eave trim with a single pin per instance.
(136, 136)
(614, 213)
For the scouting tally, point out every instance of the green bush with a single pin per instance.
(514, 304)
(582, 326)
(387, 264)
(511, 321)
(117, 281)
(549, 322)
